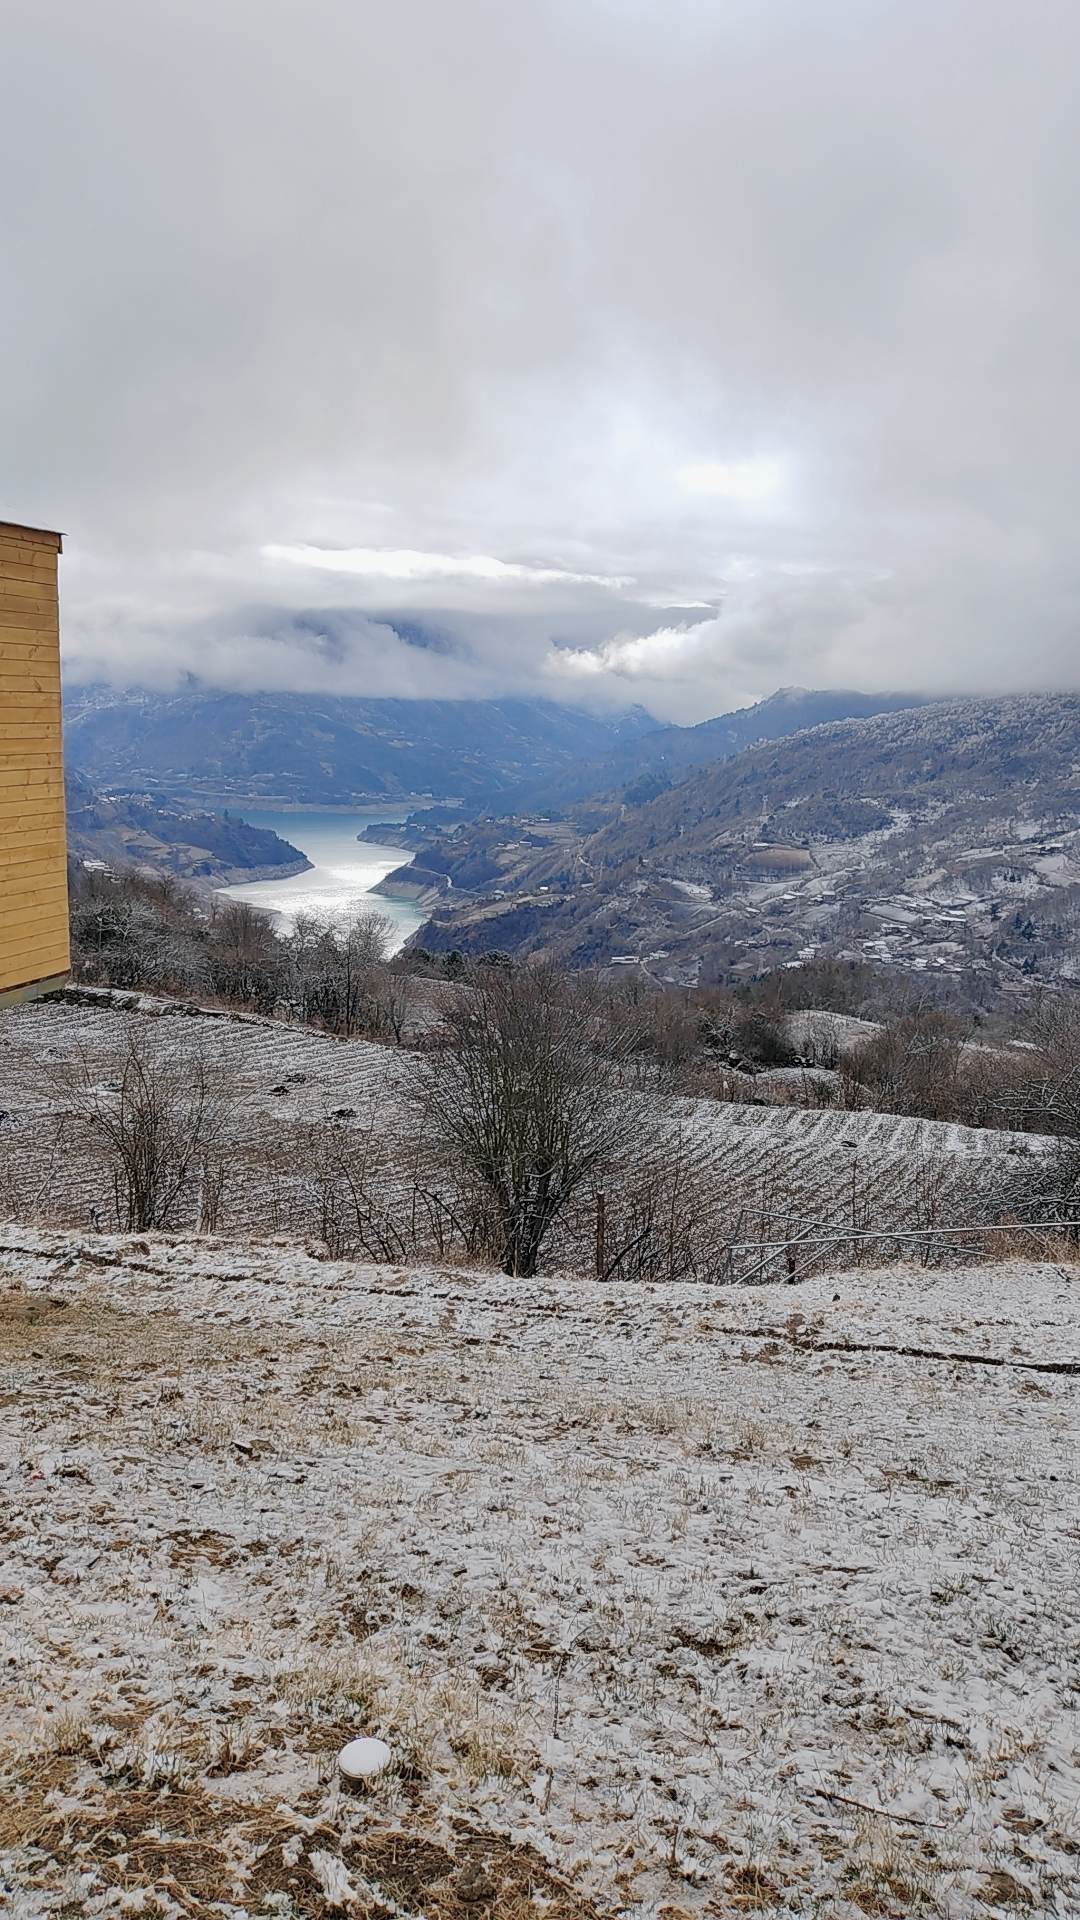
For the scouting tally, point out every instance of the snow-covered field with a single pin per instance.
(749, 1174)
(668, 1601)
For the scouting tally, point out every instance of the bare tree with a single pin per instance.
(915, 1065)
(245, 959)
(523, 1098)
(1046, 1094)
(393, 1001)
(158, 1115)
(333, 965)
(362, 944)
(304, 964)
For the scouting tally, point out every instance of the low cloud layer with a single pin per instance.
(610, 351)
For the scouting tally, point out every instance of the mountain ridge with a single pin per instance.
(945, 836)
(671, 752)
(327, 749)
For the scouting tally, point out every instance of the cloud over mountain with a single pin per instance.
(661, 352)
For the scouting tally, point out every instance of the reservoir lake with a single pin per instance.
(343, 870)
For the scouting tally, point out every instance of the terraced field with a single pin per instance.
(278, 1082)
(716, 1192)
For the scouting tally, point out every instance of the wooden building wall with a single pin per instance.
(33, 849)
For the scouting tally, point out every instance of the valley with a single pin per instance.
(345, 870)
(939, 841)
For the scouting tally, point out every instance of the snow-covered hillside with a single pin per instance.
(669, 1602)
(942, 840)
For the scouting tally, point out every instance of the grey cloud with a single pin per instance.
(485, 280)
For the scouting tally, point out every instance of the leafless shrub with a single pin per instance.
(393, 995)
(1038, 1086)
(243, 958)
(156, 1114)
(332, 969)
(126, 936)
(913, 1066)
(348, 1171)
(656, 1035)
(523, 1100)
(1045, 1186)
(371, 1200)
(851, 1094)
(821, 1045)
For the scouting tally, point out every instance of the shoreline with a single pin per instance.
(267, 804)
(241, 876)
(334, 872)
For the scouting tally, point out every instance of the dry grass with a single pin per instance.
(626, 1574)
(176, 1848)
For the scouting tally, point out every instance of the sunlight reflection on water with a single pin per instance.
(343, 870)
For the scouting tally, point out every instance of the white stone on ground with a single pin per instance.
(361, 1759)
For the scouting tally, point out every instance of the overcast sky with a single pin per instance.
(645, 350)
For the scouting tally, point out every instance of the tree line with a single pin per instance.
(137, 931)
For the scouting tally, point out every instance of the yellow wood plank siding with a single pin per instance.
(33, 850)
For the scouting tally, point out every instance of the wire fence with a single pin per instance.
(818, 1236)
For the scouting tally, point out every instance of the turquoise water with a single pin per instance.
(343, 870)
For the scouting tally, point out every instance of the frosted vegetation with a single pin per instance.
(667, 1601)
(715, 1555)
